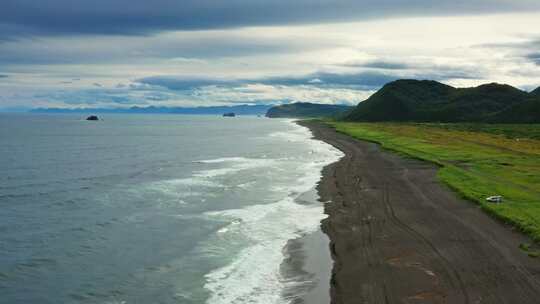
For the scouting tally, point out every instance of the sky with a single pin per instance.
(123, 53)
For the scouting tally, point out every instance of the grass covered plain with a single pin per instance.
(476, 160)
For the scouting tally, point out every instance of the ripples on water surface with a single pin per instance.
(152, 208)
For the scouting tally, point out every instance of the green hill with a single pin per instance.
(526, 112)
(431, 101)
(306, 109)
(536, 92)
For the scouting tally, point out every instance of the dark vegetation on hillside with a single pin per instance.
(307, 110)
(526, 112)
(431, 101)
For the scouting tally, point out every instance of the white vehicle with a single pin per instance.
(494, 199)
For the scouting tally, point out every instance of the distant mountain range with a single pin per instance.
(307, 110)
(431, 101)
(214, 110)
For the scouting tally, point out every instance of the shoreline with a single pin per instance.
(307, 265)
(398, 236)
(307, 268)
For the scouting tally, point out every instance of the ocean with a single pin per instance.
(159, 209)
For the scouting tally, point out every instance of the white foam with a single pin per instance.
(192, 181)
(238, 164)
(245, 185)
(182, 188)
(254, 275)
(295, 133)
(223, 230)
(222, 160)
(205, 183)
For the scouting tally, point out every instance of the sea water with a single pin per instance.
(153, 208)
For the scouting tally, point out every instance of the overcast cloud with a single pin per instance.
(54, 17)
(121, 53)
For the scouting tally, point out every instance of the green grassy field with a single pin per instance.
(476, 160)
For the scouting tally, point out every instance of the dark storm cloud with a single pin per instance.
(321, 79)
(526, 49)
(89, 97)
(534, 57)
(531, 43)
(366, 80)
(184, 83)
(182, 47)
(29, 17)
(383, 65)
(425, 69)
(361, 79)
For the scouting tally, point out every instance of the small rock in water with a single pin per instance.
(92, 117)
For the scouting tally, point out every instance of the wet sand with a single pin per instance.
(308, 265)
(398, 236)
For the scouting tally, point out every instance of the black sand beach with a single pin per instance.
(398, 236)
